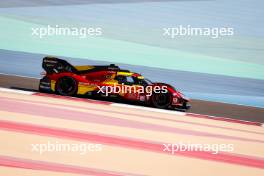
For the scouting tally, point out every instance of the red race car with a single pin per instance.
(108, 81)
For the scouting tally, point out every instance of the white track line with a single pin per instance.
(147, 109)
(19, 76)
(222, 118)
(230, 120)
(16, 91)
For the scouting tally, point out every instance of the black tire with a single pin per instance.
(161, 100)
(44, 85)
(66, 86)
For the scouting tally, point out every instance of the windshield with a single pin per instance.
(148, 81)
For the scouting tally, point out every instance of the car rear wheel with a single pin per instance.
(161, 100)
(67, 86)
(44, 85)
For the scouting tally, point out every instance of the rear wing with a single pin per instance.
(55, 65)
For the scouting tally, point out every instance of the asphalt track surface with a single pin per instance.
(208, 87)
(198, 106)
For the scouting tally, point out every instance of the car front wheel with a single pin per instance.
(161, 100)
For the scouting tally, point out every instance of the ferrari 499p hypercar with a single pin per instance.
(62, 78)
